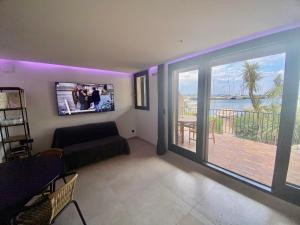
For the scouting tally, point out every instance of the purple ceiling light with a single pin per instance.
(39, 65)
(152, 70)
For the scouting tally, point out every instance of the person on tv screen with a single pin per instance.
(75, 96)
(83, 99)
(104, 90)
(96, 99)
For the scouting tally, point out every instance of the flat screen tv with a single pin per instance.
(75, 98)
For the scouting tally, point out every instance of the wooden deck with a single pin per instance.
(251, 159)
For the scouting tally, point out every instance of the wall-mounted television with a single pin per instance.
(75, 98)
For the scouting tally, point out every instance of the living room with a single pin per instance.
(163, 112)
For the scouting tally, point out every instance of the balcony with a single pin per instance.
(242, 142)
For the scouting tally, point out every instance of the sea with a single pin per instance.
(234, 104)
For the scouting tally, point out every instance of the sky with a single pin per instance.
(227, 79)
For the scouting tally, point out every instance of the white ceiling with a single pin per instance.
(130, 35)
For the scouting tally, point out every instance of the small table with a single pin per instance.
(20, 180)
(182, 122)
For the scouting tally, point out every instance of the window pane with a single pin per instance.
(293, 176)
(244, 114)
(185, 89)
(141, 91)
(138, 89)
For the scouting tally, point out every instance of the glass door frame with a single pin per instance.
(173, 115)
(285, 41)
(251, 51)
(288, 118)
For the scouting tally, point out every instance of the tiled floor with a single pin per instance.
(145, 189)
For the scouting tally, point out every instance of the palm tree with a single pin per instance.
(275, 107)
(277, 90)
(251, 76)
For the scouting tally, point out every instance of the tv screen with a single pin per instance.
(74, 98)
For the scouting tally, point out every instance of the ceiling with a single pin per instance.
(130, 35)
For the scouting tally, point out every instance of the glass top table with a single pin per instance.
(20, 180)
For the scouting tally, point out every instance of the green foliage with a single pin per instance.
(218, 124)
(277, 90)
(261, 127)
(296, 136)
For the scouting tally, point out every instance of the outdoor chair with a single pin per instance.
(193, 131)
(45, 209)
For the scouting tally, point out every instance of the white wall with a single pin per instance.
(38, 82)
(146, 121)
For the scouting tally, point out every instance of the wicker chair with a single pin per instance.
(45, 209)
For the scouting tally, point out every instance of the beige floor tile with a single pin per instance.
(145, 189)
(190, 187)
(224, 206)
(194, 218)
(117, 219)
(131, 183)
(69, 216)
(95, 202)
(156, 205)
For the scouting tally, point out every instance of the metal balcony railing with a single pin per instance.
(257, 126)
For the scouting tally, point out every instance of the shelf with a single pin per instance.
(15, 139)
(17, 154)
(10, 109)
(11, 89)
(12, 125)
(19, 149)
(13, 104)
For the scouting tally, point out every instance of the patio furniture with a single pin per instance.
(183, 122)
(227, 116)
(46, 208)
(20, 180)
(193, 131)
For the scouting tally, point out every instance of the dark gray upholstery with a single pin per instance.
(89, 143)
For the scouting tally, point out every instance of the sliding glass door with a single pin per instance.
(244, 116)
(238, 112)
(286, 181)
(184, 84)
(293, 175)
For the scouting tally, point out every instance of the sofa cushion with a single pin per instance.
(84, 153)
(67, 136)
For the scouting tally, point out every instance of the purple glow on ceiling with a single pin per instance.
(237, 41)
(47, 66)
(153, 70)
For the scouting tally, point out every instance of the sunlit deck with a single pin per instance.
(251, 159)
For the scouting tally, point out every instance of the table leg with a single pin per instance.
(182, 132)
